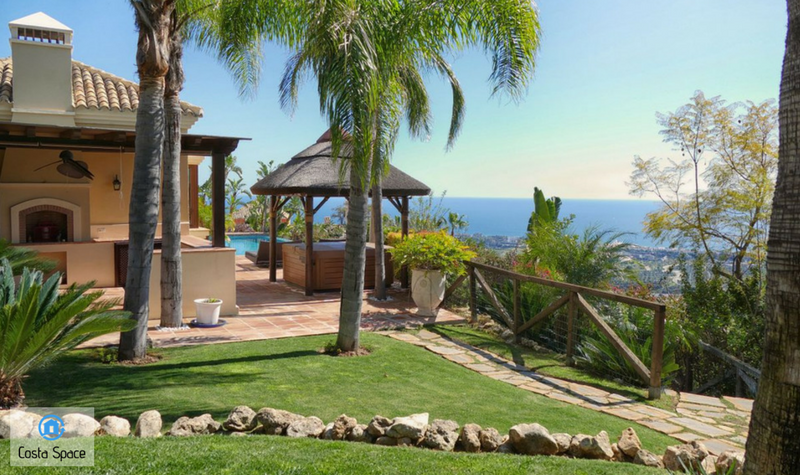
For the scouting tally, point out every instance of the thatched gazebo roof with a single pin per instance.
(314, 172)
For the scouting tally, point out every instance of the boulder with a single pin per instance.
(648, 459)
(709, 464)
(378, 425)
(562, 440)
(115, 426)
(383, 440)
(728, 459)
(306, 427)
(412, 426)
(618, 455)
(490, 439)
(441, 435)
(507, 447)
(79, 425)
(18, 423)
(629, 442)
(327, 434)
(359, 434)
(241, 419)
(200, 425)
(532, 439)
(689, 455)
(275, 421)
(341, 426)
(405, 442)
(148, 425)
(470, 438)
(588, 447)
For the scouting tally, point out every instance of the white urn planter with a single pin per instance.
(427, 290)
(208, 312)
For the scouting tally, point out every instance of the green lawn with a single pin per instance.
(545, 362)
(281, 455)
(396, 379)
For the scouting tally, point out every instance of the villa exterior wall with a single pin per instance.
(208, 272)
(104, 211)
(82, 262)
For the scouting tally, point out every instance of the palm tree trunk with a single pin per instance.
(152, 61)
(773, 444)
(171, 271)
(143, 214)
(377, 227)
(354, 262)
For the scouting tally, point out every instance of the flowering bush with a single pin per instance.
(433, 251)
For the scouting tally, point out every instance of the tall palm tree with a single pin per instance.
(368, 63)
(233, 30)
(152, 61)
(773, 444)
(171, 268)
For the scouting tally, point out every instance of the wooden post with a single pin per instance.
(194, 197)
(404, 234)
(309, 212)
(657, 356)
(273, 238)
(572, 312)
(517, 304)
(473, 295)
(218, 198)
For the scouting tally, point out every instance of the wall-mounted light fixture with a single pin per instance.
(117, 183)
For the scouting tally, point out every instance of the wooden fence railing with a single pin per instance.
(743, 372)
(575, 301)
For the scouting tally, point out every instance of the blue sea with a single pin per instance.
(509, 216)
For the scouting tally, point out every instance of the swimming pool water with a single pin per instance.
(247, 242)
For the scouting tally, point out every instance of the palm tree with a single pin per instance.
(772, 444)
(153, 18)
(456, 222)
(38, 322)
(171, 268)
(368, 63)
(233, 30)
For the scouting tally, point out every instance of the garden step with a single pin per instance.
(699, 399)
(717, 447)
(742, 404)
(699, 427)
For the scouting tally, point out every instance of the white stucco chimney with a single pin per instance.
(41, 55)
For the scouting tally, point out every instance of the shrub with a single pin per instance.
(38, 323)
(432, 251)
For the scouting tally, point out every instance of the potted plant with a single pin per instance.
(208, 310)
(431, 258)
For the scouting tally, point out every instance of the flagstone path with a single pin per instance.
(720, 424)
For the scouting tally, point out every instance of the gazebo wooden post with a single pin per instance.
(273, 238)
(309, 212)
(218, 198)
(404, 234)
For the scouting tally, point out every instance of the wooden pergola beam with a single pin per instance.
(308, 202)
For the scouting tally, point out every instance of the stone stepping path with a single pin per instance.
(720, 424)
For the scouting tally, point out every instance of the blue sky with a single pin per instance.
(603, 71)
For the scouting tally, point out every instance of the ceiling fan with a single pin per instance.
(70, 167)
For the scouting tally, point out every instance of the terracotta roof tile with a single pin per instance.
(92, 88)
(5, 80)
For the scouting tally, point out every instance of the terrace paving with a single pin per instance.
(688, 423)
(280, 310)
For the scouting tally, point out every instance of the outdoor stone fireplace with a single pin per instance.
(45, 220)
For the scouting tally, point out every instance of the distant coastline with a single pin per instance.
(499, 218)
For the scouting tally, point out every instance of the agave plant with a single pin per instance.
(38, 323)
